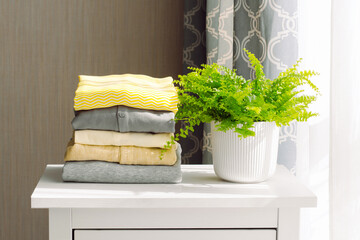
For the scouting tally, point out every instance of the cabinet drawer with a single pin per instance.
(177, 234)
(174, 218)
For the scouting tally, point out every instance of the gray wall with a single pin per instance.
(44, 45)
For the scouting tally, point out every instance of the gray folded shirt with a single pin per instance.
(107, 172)
(125, 119)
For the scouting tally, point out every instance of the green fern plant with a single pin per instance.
(216, 93)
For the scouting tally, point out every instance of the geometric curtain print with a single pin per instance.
(219, 49)
(267, 28)
(219, 32)
(194, 54)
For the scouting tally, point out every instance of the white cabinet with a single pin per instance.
(175, 234)
(201, 207)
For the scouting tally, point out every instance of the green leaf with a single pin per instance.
(216, 93)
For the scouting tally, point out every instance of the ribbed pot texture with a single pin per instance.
(249, 160)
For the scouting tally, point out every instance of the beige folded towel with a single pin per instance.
(127, 155)
(96, 137)
(82, 152)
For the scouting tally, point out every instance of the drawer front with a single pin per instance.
(199, 218)
(206, 234)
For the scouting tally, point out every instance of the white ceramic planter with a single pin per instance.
(249, 160)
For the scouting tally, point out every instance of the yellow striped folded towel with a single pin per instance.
(132, 90)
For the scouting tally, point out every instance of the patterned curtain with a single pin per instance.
(268, 28)
(194, 55)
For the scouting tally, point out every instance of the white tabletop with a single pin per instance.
(200, 188)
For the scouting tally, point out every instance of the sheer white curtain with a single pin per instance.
(345, 121)
(313, 165)
(329, 42)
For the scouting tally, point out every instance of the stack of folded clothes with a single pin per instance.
(121, 124)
